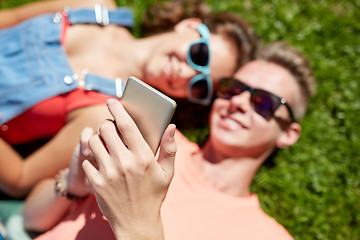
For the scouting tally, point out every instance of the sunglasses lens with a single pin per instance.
(200, 89)
(199, 54)
(230, 88)
(263, 103)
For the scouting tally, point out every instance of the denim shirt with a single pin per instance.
(35, 67)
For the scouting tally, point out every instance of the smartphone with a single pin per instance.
(150, 109)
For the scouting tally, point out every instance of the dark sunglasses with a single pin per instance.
(263, 102)
(200, 87)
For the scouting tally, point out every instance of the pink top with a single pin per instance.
(46, 118)
(191, 210)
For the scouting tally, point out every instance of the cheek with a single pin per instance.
(267, 132)
(223, 66)
(217, 105)
(151, 70)
(222, 60)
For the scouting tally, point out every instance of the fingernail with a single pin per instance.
(172, 132)
(88, 131)
(110, 101)
(86, 151)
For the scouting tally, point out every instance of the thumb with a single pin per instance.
(168, 150)
(84, 139)
(90, 172)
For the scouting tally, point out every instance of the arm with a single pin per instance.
(44, 208)
(18, 176)
(13, 16)
(129, 183)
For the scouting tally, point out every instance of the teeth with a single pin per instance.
(167, 69)
(231, 122)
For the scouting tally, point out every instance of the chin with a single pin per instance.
(175, 93)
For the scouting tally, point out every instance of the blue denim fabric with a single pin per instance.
(34, 65)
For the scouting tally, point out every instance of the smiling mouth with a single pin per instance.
(232, 123)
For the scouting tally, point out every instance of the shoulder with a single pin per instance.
(182, 140)
(270, 228)
(276, 230)
(185, 147)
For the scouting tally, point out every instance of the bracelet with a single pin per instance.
(60, 187)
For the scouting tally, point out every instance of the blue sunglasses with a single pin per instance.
(200, 87)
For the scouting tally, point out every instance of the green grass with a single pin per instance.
(312, 188)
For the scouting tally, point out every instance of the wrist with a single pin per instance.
(150, 230)
(62, 190)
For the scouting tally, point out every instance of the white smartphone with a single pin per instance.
(150, 109)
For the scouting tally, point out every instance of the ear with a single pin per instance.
(188, 23)
(289, 136)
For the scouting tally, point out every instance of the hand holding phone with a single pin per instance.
(150, 109)
(130, 175)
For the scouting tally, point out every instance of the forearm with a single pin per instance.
(11, 164)
(13, 16)
(51, 199)
(19, 175)
(43, 208)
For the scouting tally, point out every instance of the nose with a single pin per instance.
(187, 71)
(240, 102)
(181, 75)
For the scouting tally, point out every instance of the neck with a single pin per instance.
(125, 61)
(230, 175)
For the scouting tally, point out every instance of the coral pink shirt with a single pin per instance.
(195, 210)
(192, 210)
